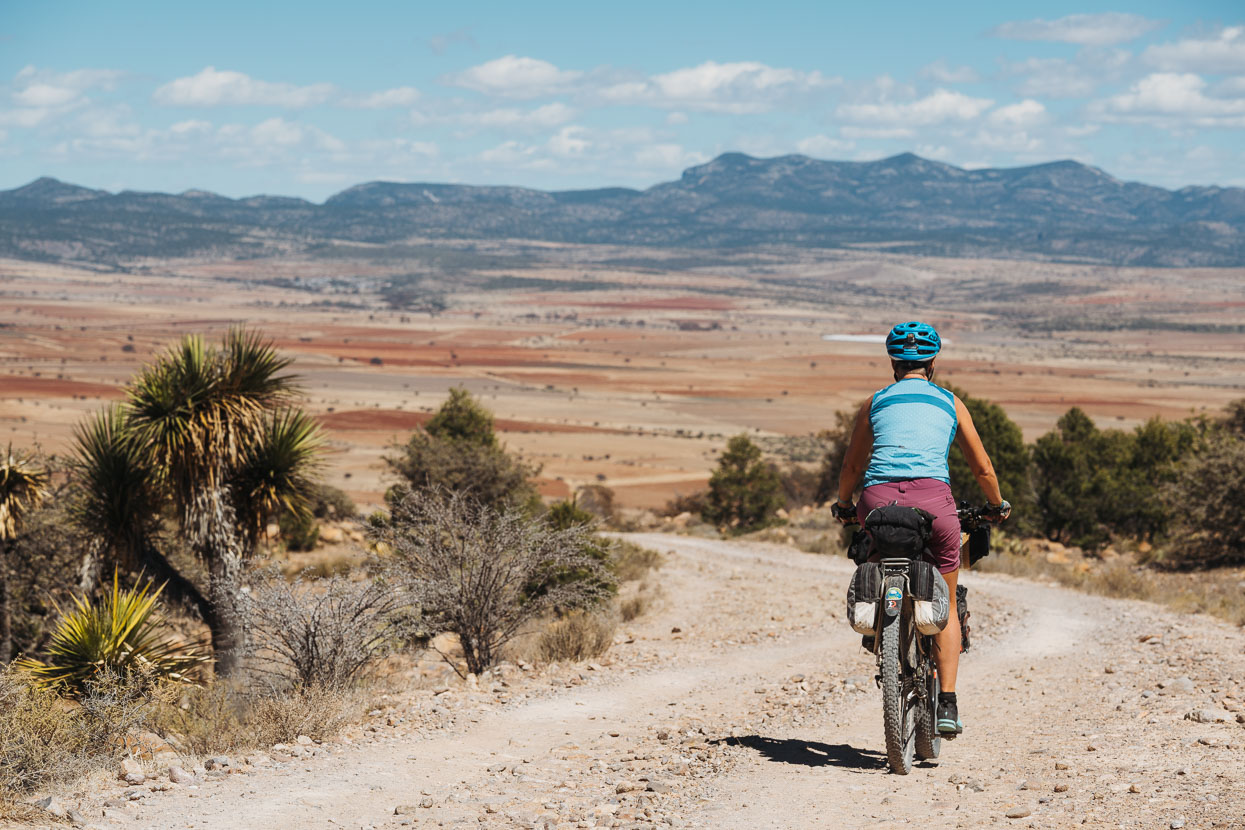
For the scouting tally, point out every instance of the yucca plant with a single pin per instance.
(23, 487)
(120, 634)
(277, 474)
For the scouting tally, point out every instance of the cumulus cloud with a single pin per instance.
(1026, 113)
(740, 87)
(1173, 100)
(213, 87)
(852, 131)
(823, 145)
(549, 115)
(41, 94)
(1220, 53)
(512, 76)
(943, 73)
(1083, 29)
(938, 107)
(569, 141)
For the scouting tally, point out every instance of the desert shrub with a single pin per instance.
(598, 500)
(630, 562)
(322, 633)
(329, 502)
(121, 634)
(633, 606)
(471, 568)
(744, 491)
(46, 741)
(458, 451)
(1094, 483)
(1206, 500)
(228, 716)
(564, 515)
(835, 439)
(578, 636)
(44, 559)
(300, 532)
(693, 503)
(800, 485)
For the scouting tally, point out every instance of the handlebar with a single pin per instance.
(971, 516)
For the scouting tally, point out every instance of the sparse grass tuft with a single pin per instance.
(577, 637)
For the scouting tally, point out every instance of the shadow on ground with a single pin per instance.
(810, 753)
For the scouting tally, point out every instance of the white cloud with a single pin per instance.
(741, 87)
(1224, 52)
(667, 157)
(938, 107)
(676, 119)
(1083, 29)
(1172, 100)
(41, 94)
(1053, 78)
(938, 152)
(190, 127)
(213, 87)
(512, 76)
(569, 141)
(823, 145)
(402, 96)
(1026, 113)
(941, 72)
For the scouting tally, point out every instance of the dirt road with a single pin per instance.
(744, 701)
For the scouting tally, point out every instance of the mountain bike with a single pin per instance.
(907, 673)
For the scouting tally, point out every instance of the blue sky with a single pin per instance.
(307, 98)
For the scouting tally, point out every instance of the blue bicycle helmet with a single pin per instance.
(913, 341)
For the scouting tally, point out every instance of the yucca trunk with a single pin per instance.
(213, 532)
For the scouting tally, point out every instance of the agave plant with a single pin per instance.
(120, 634)
(23, 487)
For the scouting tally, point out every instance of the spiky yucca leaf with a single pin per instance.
(117, 498)
(23, 487)
(277, 473)
(121, 633)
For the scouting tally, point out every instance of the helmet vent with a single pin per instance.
(911, 341)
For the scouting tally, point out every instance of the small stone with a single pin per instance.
(595, 667)
(257, 759)
(129, 766)
(179, 776)
(1176, 824)
(303, 740)
(663, 735)
(1179, 686)
(613, 734)
(1019, 812)
(51, 805)
(1183, 771)
(75, 817)
(1060, 765)
(676, 630)
(134, 778)
(218, 762)
(1133, 788)
(975, 785)
(405, 809)
(425, 802)
(628, 787)
(797, 678)
(1108, 669)
(1061, 788)
(1206, 716)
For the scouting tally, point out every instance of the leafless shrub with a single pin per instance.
(633, 607)
(320, 633)
(578, 636)
(482, 573)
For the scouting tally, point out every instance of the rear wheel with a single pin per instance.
(898, 696)
(928, 742)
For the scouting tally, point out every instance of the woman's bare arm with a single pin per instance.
(857, 455)
(975, 454)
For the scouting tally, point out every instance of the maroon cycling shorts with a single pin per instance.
(928, 494)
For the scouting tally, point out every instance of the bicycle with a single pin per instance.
(907, 673)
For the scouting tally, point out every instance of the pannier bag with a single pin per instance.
(864, 596)
(860, 548)
(931, 600)
(899, 531)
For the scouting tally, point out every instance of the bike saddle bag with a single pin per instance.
(931, 599)
(899, 531)
(864, 596)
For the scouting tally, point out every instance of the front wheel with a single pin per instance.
(928, 741)
(898, 703)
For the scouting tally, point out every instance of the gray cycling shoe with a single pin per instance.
(948, 721)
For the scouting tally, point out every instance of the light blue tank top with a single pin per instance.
(914, 424)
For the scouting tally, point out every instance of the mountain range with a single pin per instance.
(1062, 210)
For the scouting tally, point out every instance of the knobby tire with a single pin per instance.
(928, 741)
(896, 713)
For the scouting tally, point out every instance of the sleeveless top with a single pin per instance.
(914, 423)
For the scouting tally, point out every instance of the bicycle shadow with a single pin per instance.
(810, 753)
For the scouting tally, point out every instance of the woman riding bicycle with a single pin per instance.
(903, 433)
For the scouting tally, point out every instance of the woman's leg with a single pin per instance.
(947, 641)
